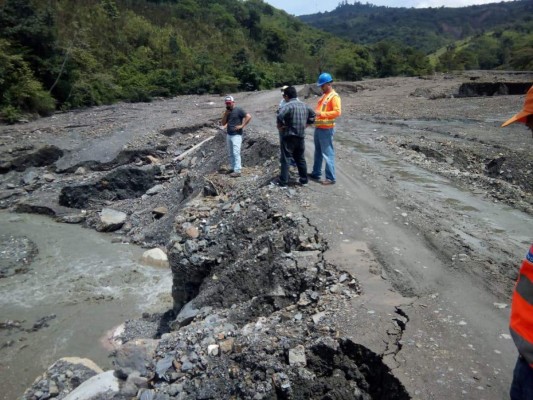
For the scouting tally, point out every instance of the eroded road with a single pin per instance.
(444, 333)
(436, 261)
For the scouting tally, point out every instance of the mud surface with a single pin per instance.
(374, 288)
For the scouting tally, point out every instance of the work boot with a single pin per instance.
(279, 183)
(235, 174)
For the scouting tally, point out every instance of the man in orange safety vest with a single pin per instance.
(521, 324)
(327, 109)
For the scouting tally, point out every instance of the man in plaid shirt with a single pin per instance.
(292, 120)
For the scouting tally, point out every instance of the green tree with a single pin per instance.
(319, 52)
(387, 59)
(20, 91)
(416, 63)
(353, 64)
(248, 74)
(276, 44)
(521, 54)
(252, 23)
(446, 61)
(466, 59)
(522, 59)
(487, 50)
(31, 32)
(110, 8)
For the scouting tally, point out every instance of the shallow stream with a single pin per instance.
(80, 286)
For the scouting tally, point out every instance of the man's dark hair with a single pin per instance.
(290, 92)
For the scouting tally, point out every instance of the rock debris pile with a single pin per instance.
(252, 293)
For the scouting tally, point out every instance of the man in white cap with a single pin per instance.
(234, 119)
(521, 324)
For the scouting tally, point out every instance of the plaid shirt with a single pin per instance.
(294, 117)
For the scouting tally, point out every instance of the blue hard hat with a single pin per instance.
(324, 78)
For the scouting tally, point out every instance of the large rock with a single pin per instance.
(103, 385)
(155, 257)
(61, 378)
(185, 316)
(111, 220)
(45, 204)
(135, 355)
(297, 356)
(44, 156)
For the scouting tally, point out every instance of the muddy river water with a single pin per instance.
(80, 286)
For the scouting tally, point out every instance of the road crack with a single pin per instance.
(395, 334)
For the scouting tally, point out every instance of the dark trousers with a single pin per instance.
(292, 146)
(522, 386)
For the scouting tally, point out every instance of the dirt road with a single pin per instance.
(436, 258)
(441, 329)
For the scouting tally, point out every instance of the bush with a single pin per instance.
(137, 94)
(42, 102)
(92, 90)
(165, 82)
(19, 88)
(136, 85)
(10, 114)
(226, 84)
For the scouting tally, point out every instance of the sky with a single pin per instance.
(302, 7)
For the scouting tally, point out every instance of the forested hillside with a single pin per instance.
(426, 29)
(486, 36)
(68, 54)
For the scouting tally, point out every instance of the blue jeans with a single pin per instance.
(234, 151)
(324, 152)
(522, 386)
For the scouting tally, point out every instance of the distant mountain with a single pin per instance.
(426, 29)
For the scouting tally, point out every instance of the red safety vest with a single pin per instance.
(521, 325)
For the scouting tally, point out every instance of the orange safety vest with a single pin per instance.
(329, 105)
(521, 325)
